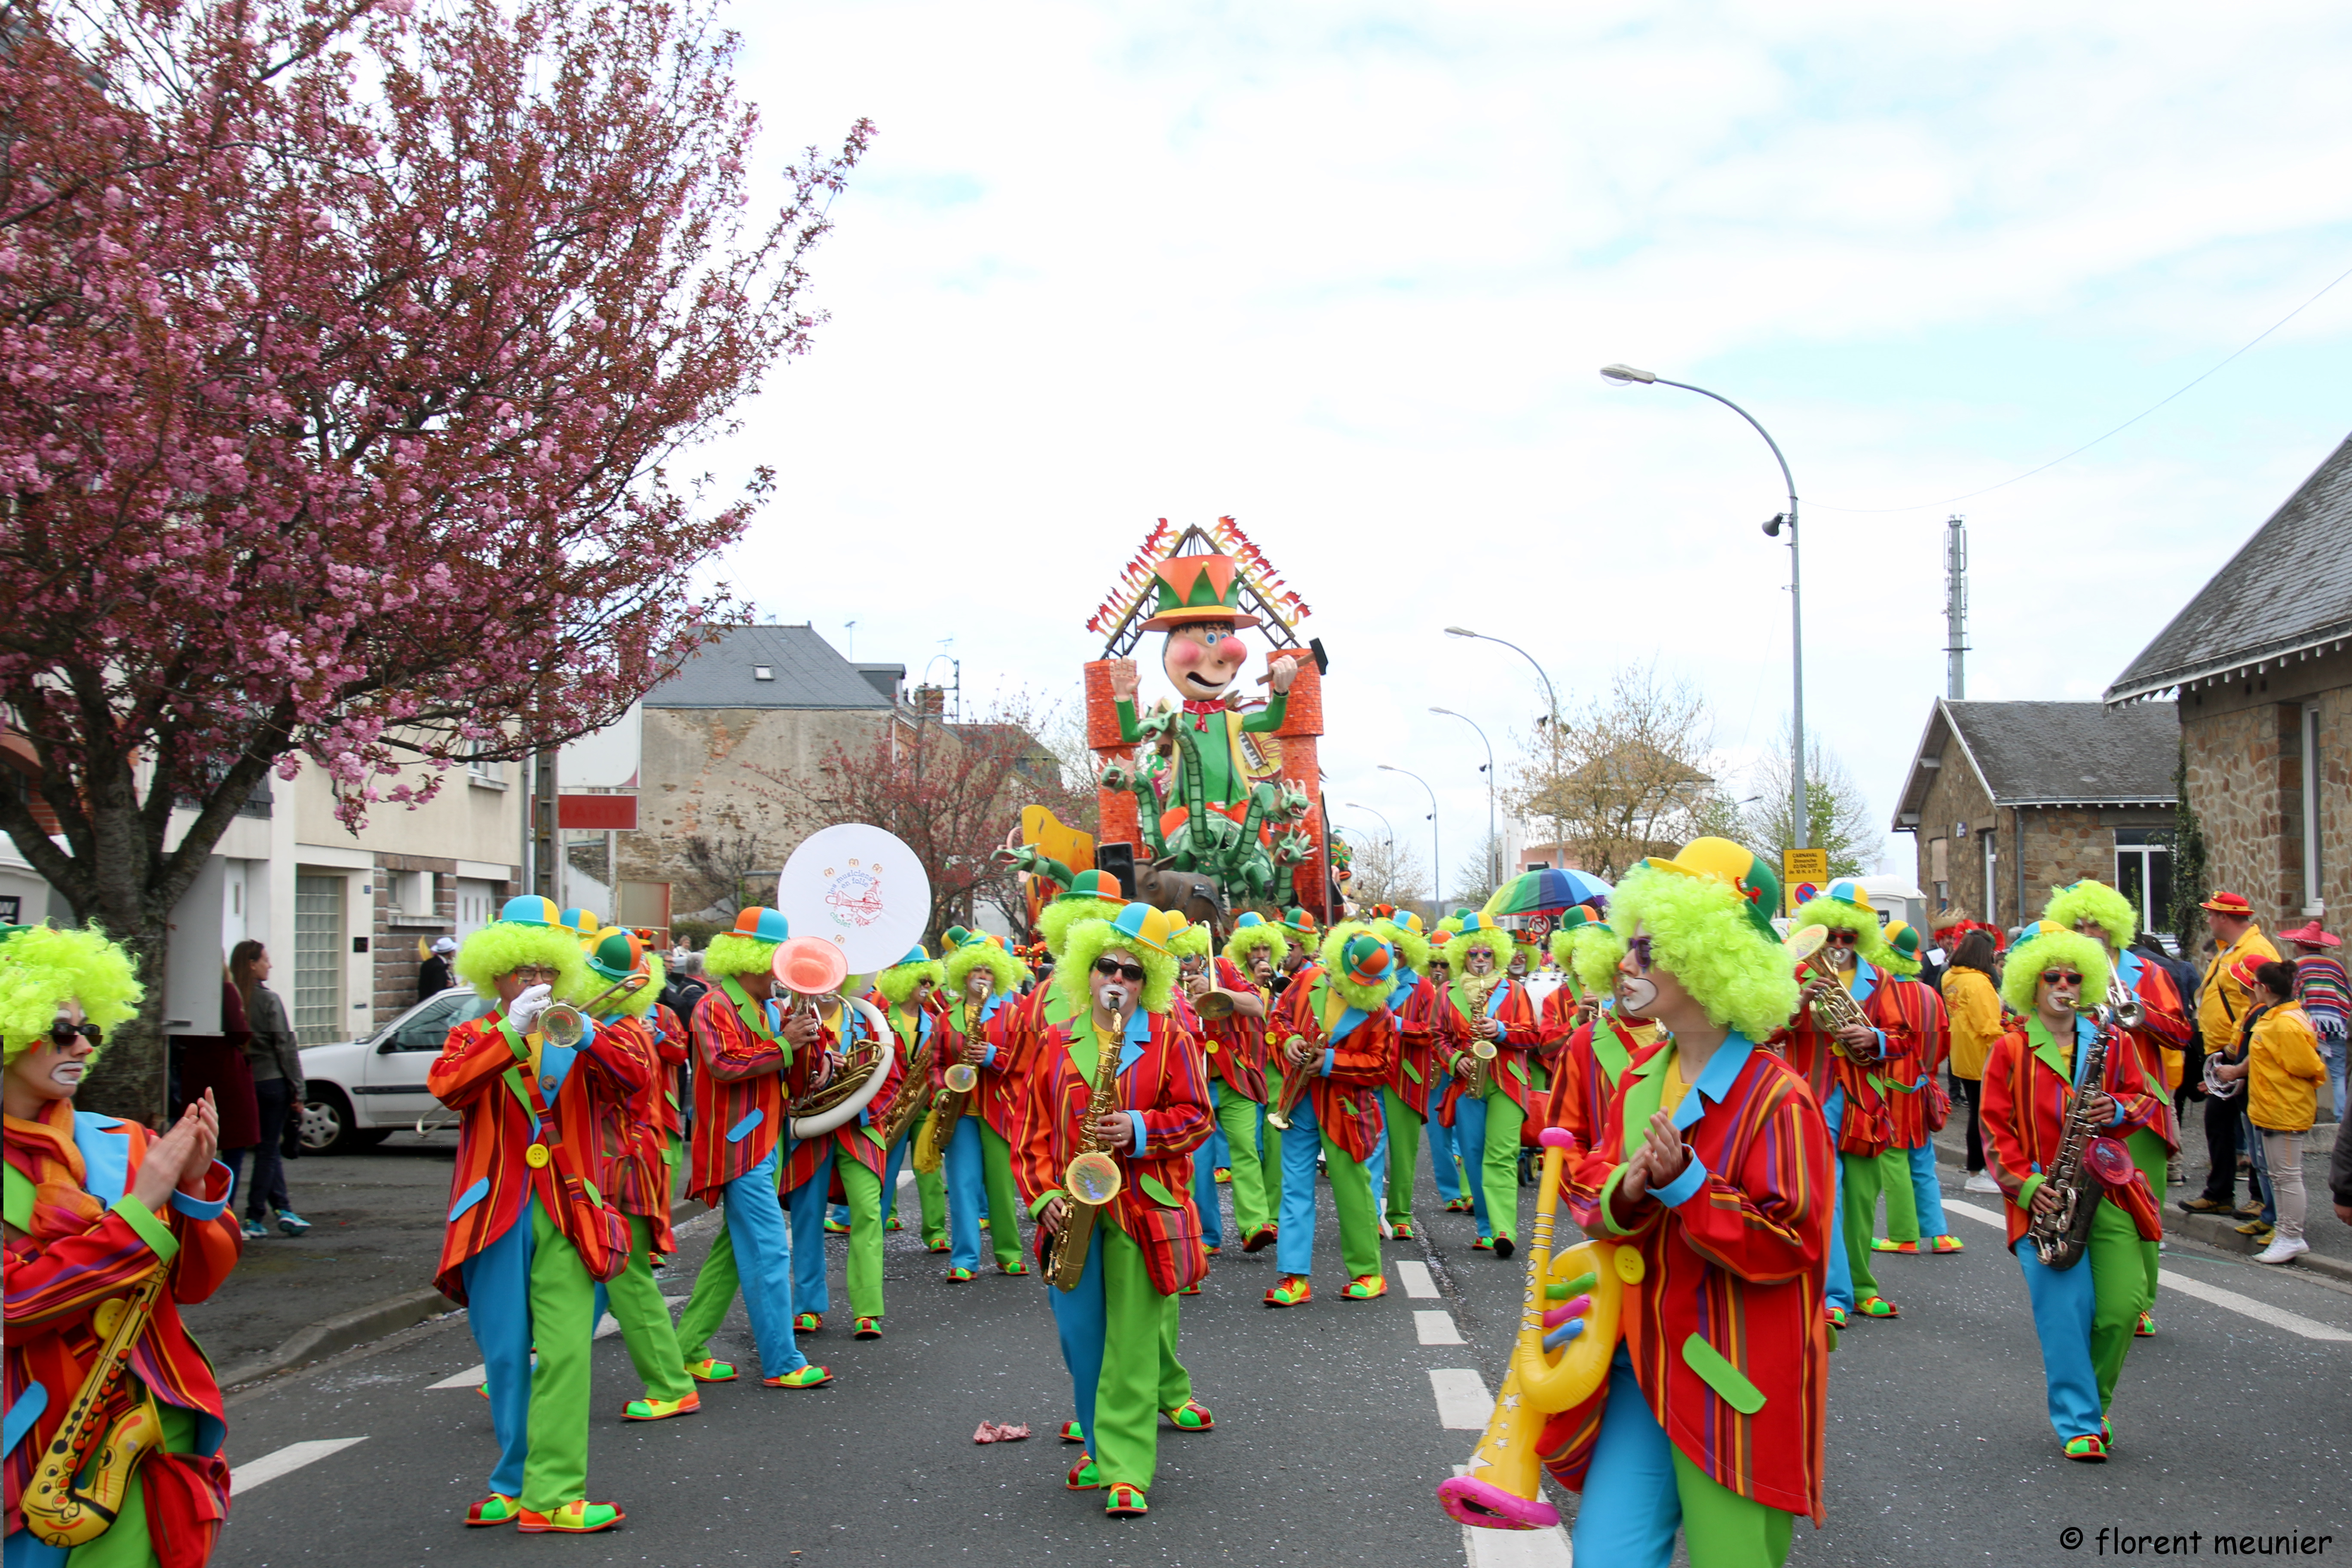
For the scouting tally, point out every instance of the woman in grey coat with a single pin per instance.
(276, 1063)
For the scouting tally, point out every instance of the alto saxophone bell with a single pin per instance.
(963, 1077)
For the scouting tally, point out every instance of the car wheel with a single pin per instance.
(327, 1125)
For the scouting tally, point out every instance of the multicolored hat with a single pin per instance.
(581, 923)
(1366, 959)
(1471, 921)
(1741, 867)
(1142, 923)
(1093, 885)
(1569, 918)
(531, 910)
(616, 955)
(1194, 588)
(2225, 903)
(915, 955)
(1404, 920)
(1300, 921)
(765, 925)
(1904, 941)
(1246, 918)
(1846, 890)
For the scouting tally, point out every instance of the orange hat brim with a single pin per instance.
(1168, 620)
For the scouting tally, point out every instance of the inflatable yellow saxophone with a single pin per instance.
(1568, 1328)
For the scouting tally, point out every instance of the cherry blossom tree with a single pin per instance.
(347, 349)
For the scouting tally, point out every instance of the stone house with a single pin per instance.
(2006, 800)
(2261, 663)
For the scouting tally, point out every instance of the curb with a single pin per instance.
(332, 1336)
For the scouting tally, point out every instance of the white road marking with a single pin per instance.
(907, 1177)
(1436, 1329)
(2245, 1306)
(1514, 1548)
(474, 1377)
(1418, 1282)
(285, 1460)
(1462, 1402)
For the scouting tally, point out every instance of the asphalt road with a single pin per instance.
(1329, 1438)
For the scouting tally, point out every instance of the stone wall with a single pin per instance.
(1955, 812)
(2246, 772)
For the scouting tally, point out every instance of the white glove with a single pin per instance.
(525, 1009)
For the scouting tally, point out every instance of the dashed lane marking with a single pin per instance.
(1462, 1402)
(1436, 1329)
(1416, 1278)
(285, 1461)
(2245, 1306)
(1514, 1548)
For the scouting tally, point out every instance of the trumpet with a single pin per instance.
(1833, 1008)
(1294, 1085)
(1213, 1007)
(1562, 1357)
(2124, 1007)
(563, 1024)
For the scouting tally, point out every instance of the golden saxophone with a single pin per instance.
(1092, 1179)
(2087, 1164)
(1555, 1366)
(1834, 1007)
(914, 1093)
(60, 1509)
(1482, 1050)
(947, 1107)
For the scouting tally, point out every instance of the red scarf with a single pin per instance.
(44, 1151)
(1201, 711)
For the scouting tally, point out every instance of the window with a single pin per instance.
(411, 892)
(490, 770)
(2310, 783)
(1992, 880)
(428, 1028)
(2143, 873)
(318, 960)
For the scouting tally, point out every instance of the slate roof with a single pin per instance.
(2051, 753)
(2286, 592)
(807, 673)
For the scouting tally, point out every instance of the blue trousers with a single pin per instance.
(806, 1204)
(498, 1310)
(1377, 1167)
(967, 1193)
(1216, 1152)
(764, 1262)
(1927, 1191)
(1841, 1280)
(1442, 1147)
(1639, 1492)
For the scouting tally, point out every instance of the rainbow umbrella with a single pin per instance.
(1545, 892)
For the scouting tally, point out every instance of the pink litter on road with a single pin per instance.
(990, 1431)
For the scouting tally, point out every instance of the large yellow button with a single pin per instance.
(1211, 1047)
(536, 1156)
(1628, 1265)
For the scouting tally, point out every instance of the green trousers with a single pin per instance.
(1864, 1178)
(864, 1189)
(1269, 1158)
(1902, 1201)
(1495, 1121)
(931, 1187)
(1404, 1125)
(1003, 1197)
(127, 1543)
(2155, 1160)
(1132, 1389)
(1360, 1219)
(636, 1304)
(714, 1291)
(2119, 1282)
(562, 1313)
(1238, 1118)
(1720, 1527)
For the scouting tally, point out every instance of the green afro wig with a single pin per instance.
(1497, 942)
(898, 981)
(1700, 933)
(1247, 939)
(1861, 921)
(2022, 972)
(2090, 901)
(732, 955)
(1088, 941)
(1055, 920)
(1195, 940)
(1411, 946)
(1451, 925)
(1590, 953)
(504, 946)
(1007, 970)
(42, 967)
(1370, 997)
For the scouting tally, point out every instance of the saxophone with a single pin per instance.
(59, 1510)
(1482, 1050)
(1834, 1007)
(1092, 1179)
(2085, 1165)
(914, 1092)
(947, 1107)
(1561, 1356)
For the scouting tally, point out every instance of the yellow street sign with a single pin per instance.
(1803, 874)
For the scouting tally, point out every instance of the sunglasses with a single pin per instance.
(2061, 977)
(1638, 950)
(535, 975)
(1111, 968)
(62, 1034)
(1844, 937)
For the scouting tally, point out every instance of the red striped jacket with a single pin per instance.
(1165, 1080)
(1868, 1127)
(486, 1191)
(1515, 1068)
(2163, 1034)
(998, 1099)
(62, 1264)
(1592, 1061)
(639, 1183)
(801, 1157)
(1236, 1045)
(2026, 1098)
(744, 1076)
(1909, 1081)
(1421, 1034)
(1725, 1328)
(1363, 1055)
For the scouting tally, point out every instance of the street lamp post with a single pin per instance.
(1549, 695)
(1494, 849)
(1360, 805)
(1625, 373)
(1435, 897)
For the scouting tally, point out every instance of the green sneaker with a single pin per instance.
(808, 1376)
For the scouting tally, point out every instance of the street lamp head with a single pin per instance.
(1772, 527)
(1626, 373)
(1389, 768)
(1460, 632)
(1448, 712)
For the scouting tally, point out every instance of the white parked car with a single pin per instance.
(362, 1091)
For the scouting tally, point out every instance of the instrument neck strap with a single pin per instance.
(754, 1015)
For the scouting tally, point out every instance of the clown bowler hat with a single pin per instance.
(764, 925)
(582, 923)
(1366, 958)
(1404, 920)
(1093, 885)
(1741, 867)
(1247, 919)
(617, 955)
(2222, 903)
(1300, 921)
(531, 910)
(915, 955)
(1581, 915)
(1474, 922)
(1142, 925)
(1903, 939)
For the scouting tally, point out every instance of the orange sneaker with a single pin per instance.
(1290, 1290)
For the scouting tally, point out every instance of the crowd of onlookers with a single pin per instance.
(2266, 1050)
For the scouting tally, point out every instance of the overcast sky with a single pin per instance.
(1346, 271)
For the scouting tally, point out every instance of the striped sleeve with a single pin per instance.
(1762, 1223)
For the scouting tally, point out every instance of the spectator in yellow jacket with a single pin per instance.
(2283, 1069)
(1974, 1008)
(2222, 1006)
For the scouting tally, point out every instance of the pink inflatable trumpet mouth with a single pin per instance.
(1483, 1505)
